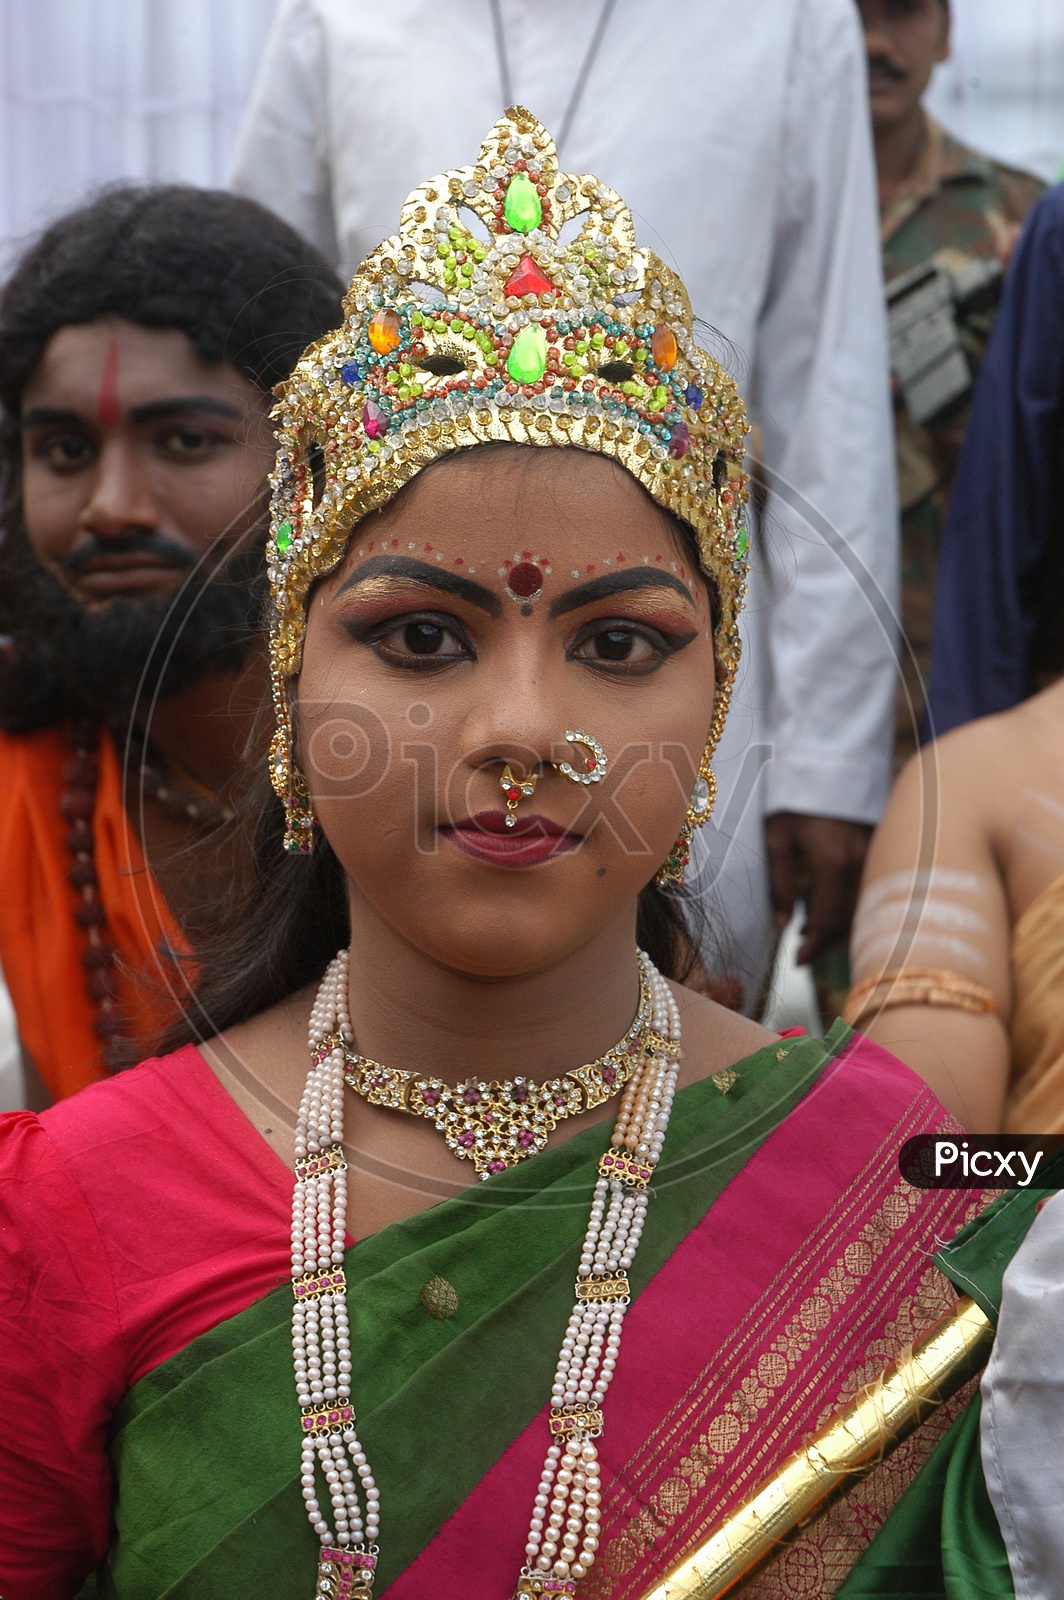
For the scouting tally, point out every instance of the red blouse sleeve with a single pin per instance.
(62, 1372)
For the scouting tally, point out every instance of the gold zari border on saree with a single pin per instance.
(759, 1386)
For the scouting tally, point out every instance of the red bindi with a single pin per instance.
(107, 409)
(525, 580)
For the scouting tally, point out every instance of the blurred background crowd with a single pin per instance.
(956, 321)
(155, 91)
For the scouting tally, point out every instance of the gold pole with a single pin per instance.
(845, 1450)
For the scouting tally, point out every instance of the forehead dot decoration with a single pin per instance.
(108, 413)
(525, 580)
(523, 577)
(451, 340)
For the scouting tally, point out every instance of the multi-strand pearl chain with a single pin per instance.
(321, 1340)
(564, 1531)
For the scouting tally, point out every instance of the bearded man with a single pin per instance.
(140, 339)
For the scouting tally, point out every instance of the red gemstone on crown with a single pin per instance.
(526, 278)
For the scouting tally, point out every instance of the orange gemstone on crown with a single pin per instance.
(663, 347)
(384, 332)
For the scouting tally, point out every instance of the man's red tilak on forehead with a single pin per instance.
(107, 409)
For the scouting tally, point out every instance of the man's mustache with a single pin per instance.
(152, 544)
(887, 68)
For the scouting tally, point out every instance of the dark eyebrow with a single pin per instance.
(430, 577)
(40, 416)
(618, 583)
(152, 411)
(183, 406)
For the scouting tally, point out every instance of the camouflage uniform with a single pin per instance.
(956, 206)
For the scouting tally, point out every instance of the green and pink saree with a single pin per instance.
(784, 1263)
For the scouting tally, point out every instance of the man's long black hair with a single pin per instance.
(246, 290)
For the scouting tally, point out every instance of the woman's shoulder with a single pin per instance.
(714, 1038)
(165, 1128)
(142, 1158)
(104, 1116)
(964, 752)
(156, 1186)
(718, 1041)
(97, 1163)
(173, 1087)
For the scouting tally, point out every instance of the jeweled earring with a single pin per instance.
(698, 809)
(594, 763)
(516, 790)
(291, 787)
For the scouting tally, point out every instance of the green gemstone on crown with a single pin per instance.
(527, 361)
(522, 207)
(742, 544)
(284, 538)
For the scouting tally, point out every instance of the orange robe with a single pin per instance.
(41, 944)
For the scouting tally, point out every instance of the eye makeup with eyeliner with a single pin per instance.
(620, 646)
(640, 626)
(423, 641)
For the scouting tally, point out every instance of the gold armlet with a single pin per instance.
(917, 986)
(843, 1452)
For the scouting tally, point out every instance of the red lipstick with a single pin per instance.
(535, 839)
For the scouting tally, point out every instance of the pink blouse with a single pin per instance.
(133, 1217)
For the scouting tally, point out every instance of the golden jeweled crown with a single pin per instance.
(456, 336)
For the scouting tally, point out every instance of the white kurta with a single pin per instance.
(1023, 1410)
(739, 136)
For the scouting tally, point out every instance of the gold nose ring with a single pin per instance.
(594, 762)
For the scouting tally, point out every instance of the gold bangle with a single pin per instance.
(918, 986)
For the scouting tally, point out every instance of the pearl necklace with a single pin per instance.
(563, 1533)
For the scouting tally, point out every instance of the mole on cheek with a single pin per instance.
(601, 873)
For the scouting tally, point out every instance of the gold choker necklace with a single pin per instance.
(497, 1124)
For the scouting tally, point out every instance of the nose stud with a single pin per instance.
(594, 762)
(590, 768)
(515, 790)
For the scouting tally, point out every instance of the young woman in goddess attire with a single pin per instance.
(255, 1316)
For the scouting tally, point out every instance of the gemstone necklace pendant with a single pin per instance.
(499, 1123)
(515, 790)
